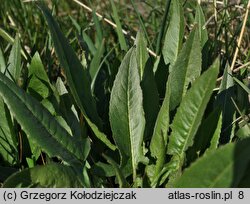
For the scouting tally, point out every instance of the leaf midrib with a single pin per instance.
(128, 111)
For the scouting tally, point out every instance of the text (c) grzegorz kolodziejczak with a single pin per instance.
(79, 195)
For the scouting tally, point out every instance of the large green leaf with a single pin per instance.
(208, 129)
(148, 84)
(48, 176)
(39, 124)
(175, 33)
(224, 167)
(77, 76)
(190, 112)
(186, 69)
(126, 112)
(159, 138)
(40, 88)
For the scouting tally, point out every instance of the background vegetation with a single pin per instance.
(124, 93)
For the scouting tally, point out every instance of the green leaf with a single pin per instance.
(148, 84)
(101, 136)
(10, 40)
(95, 63)
(39, 124)
(141, 52)
(8, 138)
(224, 101)
(227, 79)
(39, 87)
(77, 76)
(186, 69)
(36, 68)
(126, 112)
(190, 112)
(99, 35)
(159, 139)
(162, 28)
(77, 26)
(142, 24)
(89, 42)
(14, 62)
(6, 36)
(150, 99)
(161, 75)
(201, 21)
(120, 34)
(219, 168)
(175, 32)
(206, 131)
(48, 176)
